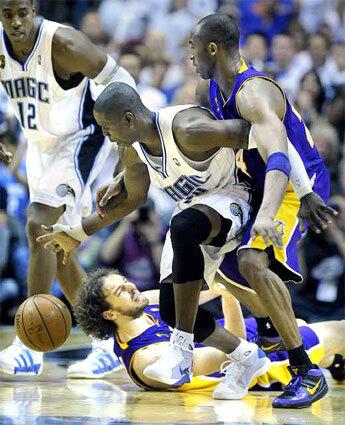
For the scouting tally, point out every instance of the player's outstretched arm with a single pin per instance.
(132, 195)
(262, 104)
(199, 131)
(73, 52)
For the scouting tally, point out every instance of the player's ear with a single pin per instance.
(128, 119)
(212, 49)
(109, 315)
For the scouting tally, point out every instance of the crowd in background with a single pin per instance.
(299, 42)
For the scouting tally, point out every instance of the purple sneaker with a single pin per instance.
(303, 389)
(271, 344)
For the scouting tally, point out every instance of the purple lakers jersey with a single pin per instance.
(249, 161)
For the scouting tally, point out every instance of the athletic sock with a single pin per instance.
(299, 359)
(182, 339)
(266, 327)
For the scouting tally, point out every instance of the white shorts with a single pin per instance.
(65, 176)
(231, 203)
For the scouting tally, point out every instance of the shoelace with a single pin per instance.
(292, 385)
(232, 371)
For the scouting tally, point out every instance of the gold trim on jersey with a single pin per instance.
(264, 77)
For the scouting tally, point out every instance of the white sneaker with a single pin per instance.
(100, 362)
(174, 367)
(17, 359)
(246, 363)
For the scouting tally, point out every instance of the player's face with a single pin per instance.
(17, 17)
(115, 130)
(123, 297)
(200, 58)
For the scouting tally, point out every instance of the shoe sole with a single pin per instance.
(169, 381)
(10, 373)
(92, 376)
(303, 406)
(259, 372)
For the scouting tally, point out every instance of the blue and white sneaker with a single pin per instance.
(174, 367)
(17, 359)
(99, 363)
(243, 366)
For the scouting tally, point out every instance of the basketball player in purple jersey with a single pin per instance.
(236, 90)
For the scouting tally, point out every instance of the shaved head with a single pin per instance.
(218, 28)
(117, 99)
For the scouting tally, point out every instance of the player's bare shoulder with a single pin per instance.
(259, 94)
(73, 52)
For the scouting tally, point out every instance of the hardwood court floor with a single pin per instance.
(53, 399)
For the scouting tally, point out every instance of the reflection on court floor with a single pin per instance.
(53, 399)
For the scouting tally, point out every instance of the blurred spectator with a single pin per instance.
(324, 257)
(135, 247)
(318, 58)
(312, 84)
(335, 111)
(326, 140)
(92, 27)
(255, 50)
(284, 65)
(151, 96)
(269, 17)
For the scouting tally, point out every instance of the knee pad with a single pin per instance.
(188, 230)
(167, 303)
(189, 227)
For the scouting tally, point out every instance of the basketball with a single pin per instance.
(43, 322)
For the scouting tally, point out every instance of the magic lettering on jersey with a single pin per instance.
(186, 187)
(27, 87)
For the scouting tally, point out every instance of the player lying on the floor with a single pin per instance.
(110, 305)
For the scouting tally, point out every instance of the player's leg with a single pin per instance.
(70, 276)
(42, 264)
(203, 225)
(254, 266)
(266, 268)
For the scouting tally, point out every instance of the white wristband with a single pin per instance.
(251, 141)
(76, 232)
(107, 73)
(299, 177)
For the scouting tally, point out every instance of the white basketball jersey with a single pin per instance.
(181, 178)
(47, 112)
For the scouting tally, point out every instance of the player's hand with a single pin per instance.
(108, 191)
(316, 212)
(267, 227)
(5, 156)
(56, 239)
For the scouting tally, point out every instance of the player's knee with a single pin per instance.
(251, 265)
(33, 230)
(189, 227)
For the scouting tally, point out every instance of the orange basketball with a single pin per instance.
(43, 322)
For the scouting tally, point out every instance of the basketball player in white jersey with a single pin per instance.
(52, 74)
(212, 211)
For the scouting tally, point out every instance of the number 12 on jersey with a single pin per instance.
(27, 115)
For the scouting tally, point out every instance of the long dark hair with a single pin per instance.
(321, 96)
(91, 303)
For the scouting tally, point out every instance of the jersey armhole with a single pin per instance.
(268, 79)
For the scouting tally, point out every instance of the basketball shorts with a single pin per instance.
(284, 262)
(65, 176)
(231, 203)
